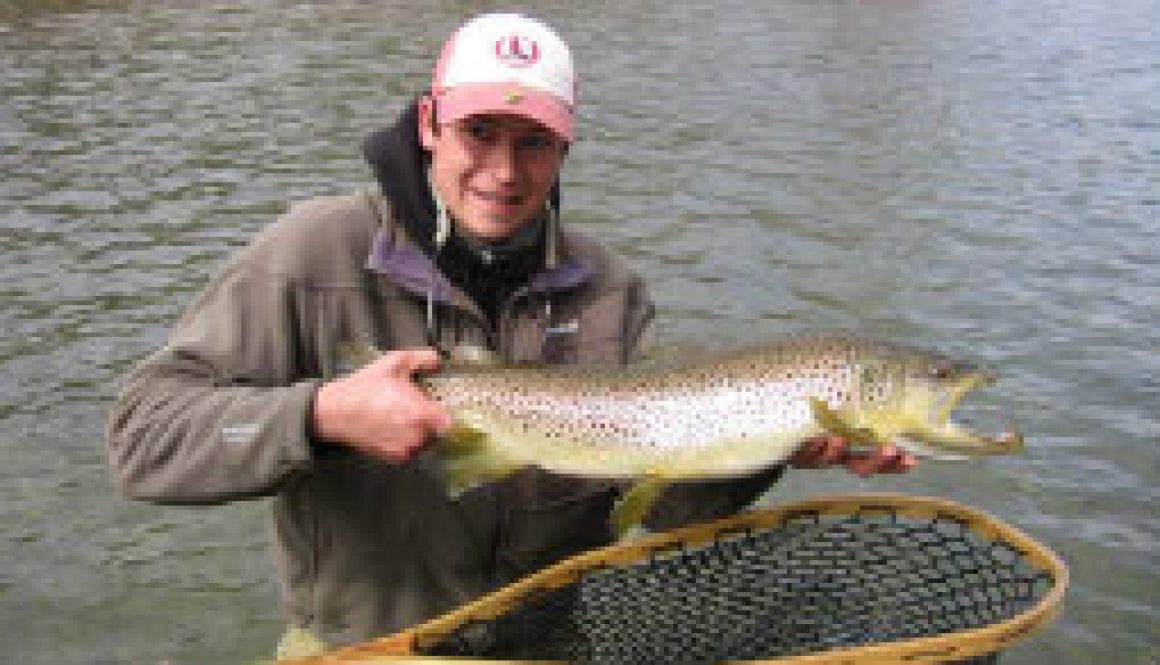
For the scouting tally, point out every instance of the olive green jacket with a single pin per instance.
(364, 547)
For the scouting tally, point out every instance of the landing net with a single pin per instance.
(871, 578)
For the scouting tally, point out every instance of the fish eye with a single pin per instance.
(941, 371)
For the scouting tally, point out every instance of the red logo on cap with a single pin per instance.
(517, 51)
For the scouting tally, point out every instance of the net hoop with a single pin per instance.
(407, 646)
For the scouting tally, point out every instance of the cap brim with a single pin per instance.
(470, 99)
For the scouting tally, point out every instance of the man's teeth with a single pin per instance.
(513, 199)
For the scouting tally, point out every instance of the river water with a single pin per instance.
(983, 177)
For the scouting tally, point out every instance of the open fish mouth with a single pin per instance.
(946, 439)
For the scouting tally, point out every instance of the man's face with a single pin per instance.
(493, 171)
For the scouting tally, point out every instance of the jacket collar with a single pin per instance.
(395, 257)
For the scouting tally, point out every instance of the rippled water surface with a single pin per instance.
(979, 176)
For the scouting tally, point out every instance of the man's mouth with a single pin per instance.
(501, 199)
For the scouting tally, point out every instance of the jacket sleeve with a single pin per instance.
(217, 414)
(638, 318)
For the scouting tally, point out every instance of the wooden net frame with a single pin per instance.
(943, 540)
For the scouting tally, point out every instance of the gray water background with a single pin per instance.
(983, 177)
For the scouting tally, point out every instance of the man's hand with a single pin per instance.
(835, 451)
(379, 410)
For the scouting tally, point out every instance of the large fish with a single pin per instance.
(728, 415)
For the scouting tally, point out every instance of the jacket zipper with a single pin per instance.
(505, 328)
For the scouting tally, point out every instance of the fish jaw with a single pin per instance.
(954, 438)
(929, 429)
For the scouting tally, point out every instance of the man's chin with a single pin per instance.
(493, 228)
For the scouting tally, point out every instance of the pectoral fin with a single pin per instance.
(470, 460)
(834, 423)
(634, 506)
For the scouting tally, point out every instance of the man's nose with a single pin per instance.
(504, 161)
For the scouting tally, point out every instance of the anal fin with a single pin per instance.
(634, 506)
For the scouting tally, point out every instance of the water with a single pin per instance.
(982, 177)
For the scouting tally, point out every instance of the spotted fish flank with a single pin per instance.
(727, 416)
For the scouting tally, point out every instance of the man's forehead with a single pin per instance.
(510, 121)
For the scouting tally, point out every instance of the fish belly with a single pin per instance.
(722, 432)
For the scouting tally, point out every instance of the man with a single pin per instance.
(459, 248)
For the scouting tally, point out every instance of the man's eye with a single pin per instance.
(477, 131)
(538, 142)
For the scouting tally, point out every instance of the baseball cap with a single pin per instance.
(506, 63)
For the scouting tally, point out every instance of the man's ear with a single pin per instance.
(427, 120)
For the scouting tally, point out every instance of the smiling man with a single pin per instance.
(459, 246)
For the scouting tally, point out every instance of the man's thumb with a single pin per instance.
(405, 363)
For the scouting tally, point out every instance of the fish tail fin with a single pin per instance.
(629, 512)
(469, 459)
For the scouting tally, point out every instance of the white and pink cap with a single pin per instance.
(506, 63)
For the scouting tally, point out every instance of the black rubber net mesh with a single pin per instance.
(811, 584)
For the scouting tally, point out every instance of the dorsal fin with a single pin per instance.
(472, 355)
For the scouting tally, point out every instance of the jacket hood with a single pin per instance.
(399, 164)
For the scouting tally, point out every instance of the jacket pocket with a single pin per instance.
(547, 518)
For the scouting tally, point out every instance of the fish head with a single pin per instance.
(908, 396)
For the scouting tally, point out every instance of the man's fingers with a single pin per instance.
(824, 451)
(893, 460)
(901, 463)
(835, 450)
(406, 444)
(864, 464)
(820, 451)
(807, 454)
(886, 459)
(439, 420)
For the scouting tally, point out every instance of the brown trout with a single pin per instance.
(729, 415)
